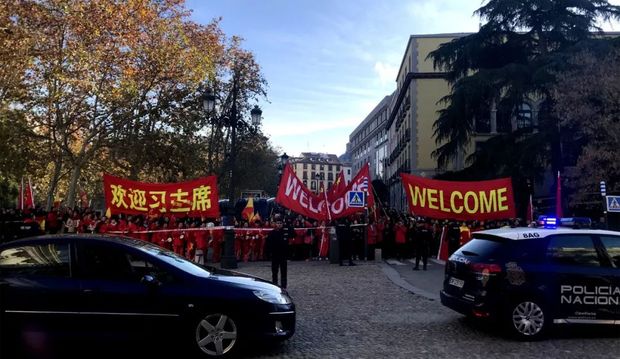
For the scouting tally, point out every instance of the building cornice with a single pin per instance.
(403, 90)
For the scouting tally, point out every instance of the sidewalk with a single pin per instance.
(424, 283)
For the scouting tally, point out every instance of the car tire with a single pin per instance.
(215, 335)
(527, 319)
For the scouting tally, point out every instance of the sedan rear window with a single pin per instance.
(483, 249)
(49, 259)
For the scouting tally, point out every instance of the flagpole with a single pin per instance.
(31, 192)
(21, 200)
(329, 211)
(378, 199)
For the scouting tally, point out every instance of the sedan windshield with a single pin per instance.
(175, 260)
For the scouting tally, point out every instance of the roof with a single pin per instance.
(316, 157)
(527, 233)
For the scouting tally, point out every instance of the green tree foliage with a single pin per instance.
(588, 100)
(115, 86)
(518, 54)
(515, 55)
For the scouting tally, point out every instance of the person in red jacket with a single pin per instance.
(202, 244)
(400, 238)
(323, 233)
(217, 238)
(179, 237)
(371, 234)
(52, 225)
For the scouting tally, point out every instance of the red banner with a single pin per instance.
(194, 198)
(293, 195)
(360, 183)
(482, 200)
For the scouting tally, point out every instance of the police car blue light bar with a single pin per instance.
(550, 222)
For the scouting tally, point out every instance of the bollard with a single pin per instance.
(334, 250)
(377, 254)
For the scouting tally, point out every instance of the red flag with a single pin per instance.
(26, 197)
(29, 200)
(360, 183)
(558, 197)
(337, 187)
(530, 211)
(248, 211)
(294, 195)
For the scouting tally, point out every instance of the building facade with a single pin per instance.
(315, 169)
(368, 143)
(413, 111)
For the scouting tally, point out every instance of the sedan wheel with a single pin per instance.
(216, 334)
(528, 320)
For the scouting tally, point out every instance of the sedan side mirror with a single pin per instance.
(150, 281)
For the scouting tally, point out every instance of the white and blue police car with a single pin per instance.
(529, 279)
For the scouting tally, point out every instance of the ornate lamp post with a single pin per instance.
(229, 261)
(283, 160)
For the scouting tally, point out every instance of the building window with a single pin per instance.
(313, 185)
(504, 114)
(330, 176)
(313, 166)
(313, 175)
(483, 119)
(524, 116)
(329, 167)
(305, 166)
(305, 174)
(337, 168)
(306, 183)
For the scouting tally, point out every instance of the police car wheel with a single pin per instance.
(527, 319)
(216, 335)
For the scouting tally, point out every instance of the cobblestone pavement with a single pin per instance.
(358, 312)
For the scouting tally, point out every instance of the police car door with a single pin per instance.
(578, 279)
(611, 246)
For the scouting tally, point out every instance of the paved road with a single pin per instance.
(381, 310)
(359, 312)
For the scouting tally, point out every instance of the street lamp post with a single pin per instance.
(229, 261)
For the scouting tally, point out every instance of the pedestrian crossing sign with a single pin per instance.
(355, 199)
(613, 203)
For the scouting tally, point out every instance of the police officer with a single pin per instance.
(277, 247)
(345, 243)
(423, 239)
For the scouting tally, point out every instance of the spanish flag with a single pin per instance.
(248, 211)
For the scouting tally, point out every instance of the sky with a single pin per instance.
(328, 63)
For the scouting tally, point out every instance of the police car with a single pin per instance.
(529, 279)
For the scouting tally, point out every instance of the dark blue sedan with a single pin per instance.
(101, 284)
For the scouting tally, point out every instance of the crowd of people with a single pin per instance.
(398, 235)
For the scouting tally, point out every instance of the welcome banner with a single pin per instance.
(195, 198)
(294, 195)
(481, 200)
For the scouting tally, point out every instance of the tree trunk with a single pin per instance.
(75, 175)
(53, 184)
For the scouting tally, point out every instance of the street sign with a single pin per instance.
(356, 199)
(613, 203)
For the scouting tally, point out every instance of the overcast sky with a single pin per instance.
(329, 62)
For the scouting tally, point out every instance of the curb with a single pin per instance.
(393, 275)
